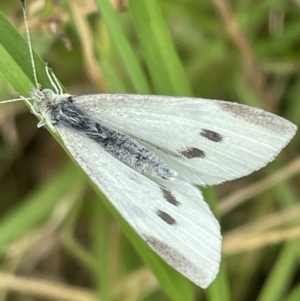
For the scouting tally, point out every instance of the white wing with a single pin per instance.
(171, 217)
(204, 141)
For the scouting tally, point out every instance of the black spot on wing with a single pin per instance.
(166, 217)
(169, 197)
(193, 152)
(211, 135)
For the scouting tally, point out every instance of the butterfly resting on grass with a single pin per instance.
(147, 155)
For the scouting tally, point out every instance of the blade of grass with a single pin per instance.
(125, 50)
(282, 273)
(36, 207)
(219, 289)
(166, 70)
(14, 58)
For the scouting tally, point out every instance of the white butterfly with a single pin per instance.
(147, 153)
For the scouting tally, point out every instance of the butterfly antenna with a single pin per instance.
(29, 43)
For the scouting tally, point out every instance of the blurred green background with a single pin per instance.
(59, 239)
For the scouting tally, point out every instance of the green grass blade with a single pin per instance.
(125, 50)
(36, 207)
(15, 62)
(166, 70)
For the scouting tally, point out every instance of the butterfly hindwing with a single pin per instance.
(171, 216)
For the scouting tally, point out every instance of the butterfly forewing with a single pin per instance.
(204, 141)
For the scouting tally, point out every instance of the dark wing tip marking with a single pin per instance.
(177, 260)
(259, 117)
(211, 135)
(169, 197)
(193, 152)
(166, 217)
